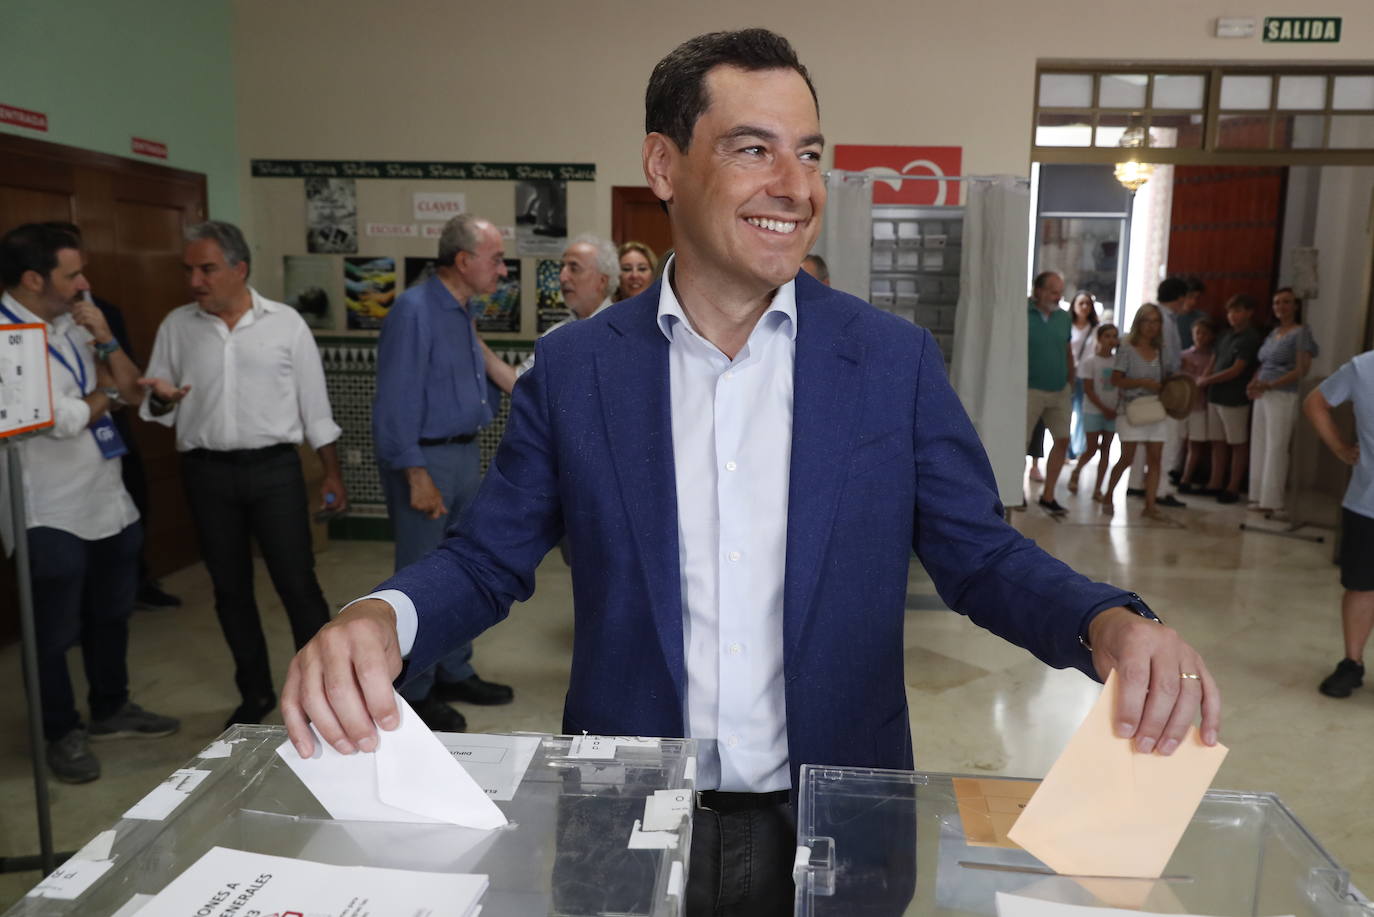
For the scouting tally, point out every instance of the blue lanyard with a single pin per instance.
(79, 377)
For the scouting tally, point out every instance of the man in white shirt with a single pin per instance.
(240, 378)
(83, 530)
(743, 460)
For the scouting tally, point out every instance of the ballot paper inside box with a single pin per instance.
(892, 843)
(568, 848)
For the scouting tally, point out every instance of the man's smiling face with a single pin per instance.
(747, 195)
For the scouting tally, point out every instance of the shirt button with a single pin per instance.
(734, 556)
(730, 466)
(734, 649)
(732, 741)
(730, 374)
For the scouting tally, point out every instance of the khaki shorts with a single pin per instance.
(1231, 424)
(1054, 408)
(1195, 426)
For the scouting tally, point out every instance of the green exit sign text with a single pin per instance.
(1302, 28)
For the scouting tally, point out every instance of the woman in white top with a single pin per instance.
(1082, 343)
(1138, 373)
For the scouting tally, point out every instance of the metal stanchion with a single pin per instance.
(46, 859)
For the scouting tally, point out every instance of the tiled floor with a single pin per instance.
(1262, 609)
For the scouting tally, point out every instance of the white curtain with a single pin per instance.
(846, 232)
(989, 366)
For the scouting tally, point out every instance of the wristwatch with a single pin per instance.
(112, 393)
(103, 351)
(1136, 606)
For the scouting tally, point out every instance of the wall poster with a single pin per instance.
(331, 216)
(369, 291)
(306, 280)
(549, 295)
(501, 310)
(541, 218)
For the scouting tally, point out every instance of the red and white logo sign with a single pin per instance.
(33, 120)
(149, 148)
(893, 161)
(439, 205)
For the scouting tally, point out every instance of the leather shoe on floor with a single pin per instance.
(1227, 496)
(252, 711)
(473, 690)
(1135, 491)
(439, 716)
(1053, 507)
(1170, 501)
(133, 722)
(150, 596)
(71, 760)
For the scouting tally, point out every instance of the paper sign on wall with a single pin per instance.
(33, 120)
(393, 230)
(439, 205)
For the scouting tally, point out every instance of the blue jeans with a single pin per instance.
(1078, 438)
(457, 471)
(83, 594)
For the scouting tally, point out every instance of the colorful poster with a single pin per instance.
(501, 310)
(886, 163)
(306, 280)
(418, 270)
(369, 291)
(541, 218)
(331, 216)
(549, 295)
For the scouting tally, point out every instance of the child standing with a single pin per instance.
(1197, 362)
(1099, 407)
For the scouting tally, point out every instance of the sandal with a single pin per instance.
(1073, 482)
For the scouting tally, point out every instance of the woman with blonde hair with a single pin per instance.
(638, 268)
(1139, 375)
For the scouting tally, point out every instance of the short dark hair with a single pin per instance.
(1297, 302)
(1195, 285)
(1241, 301)
(32, 247)
(677, 95)
(1171, 289)
(1043, 278)
(227, 236)
(822, 269)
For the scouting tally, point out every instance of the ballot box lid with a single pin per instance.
(575, 844)
(891, 843)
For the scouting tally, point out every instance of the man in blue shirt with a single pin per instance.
(432, 399)
(1353, 382)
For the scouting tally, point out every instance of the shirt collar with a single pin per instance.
(261, 305)
(443, 295)
(781, 312)
(62, 323)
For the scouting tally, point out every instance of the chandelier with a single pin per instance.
(1132, 173)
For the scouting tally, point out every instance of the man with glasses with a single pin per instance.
(432, 399)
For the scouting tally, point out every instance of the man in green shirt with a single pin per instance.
(1050, 381)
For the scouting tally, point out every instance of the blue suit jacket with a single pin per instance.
(884, 460)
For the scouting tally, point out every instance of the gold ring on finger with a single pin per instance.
(1193, 675)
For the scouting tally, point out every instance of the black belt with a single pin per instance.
(242, 456)
(448, 440)
(728, 803)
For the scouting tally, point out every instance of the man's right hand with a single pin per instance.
(424, 496)
(163, 390)
(341, 681)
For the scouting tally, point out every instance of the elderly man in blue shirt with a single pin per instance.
(432, 399)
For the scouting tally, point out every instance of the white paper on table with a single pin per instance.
(98, 847)
(1017, 906)
(236, 882)
(165, 797)
(71, 879)
(497, 763)
(411, 777)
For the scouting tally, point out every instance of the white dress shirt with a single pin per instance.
(732, 454)
(68, 484)
(258, 385)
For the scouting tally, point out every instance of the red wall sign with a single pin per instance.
(34, 120)
(905, 160)
(149, 148)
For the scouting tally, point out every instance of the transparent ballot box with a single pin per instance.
(567, 851)
(880, 843)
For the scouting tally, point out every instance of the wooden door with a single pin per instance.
(638, 216)
(132, 216)
(1227, 225)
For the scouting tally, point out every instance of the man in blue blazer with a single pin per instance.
(743, 461)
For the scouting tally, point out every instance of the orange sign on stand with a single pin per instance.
(891, 162)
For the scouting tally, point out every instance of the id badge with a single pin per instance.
(108, 439)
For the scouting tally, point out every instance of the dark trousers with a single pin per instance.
(83, 594)
(236, 498)
(741, 863)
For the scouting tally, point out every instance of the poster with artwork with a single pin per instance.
(369, 291)
(501, 310)
(306, 280)
(541, 218)
(549, 295)
(331, 216)
(418, 270)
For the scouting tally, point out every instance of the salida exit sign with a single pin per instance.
(1302, 28)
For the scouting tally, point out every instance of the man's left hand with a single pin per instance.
(1159, 699)
(333, 485)
(88, 316)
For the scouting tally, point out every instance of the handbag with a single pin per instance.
(1147, 409)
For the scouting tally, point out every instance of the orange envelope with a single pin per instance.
(1106, 810)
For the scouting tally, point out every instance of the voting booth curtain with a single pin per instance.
(989, 364)
(846, 231)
